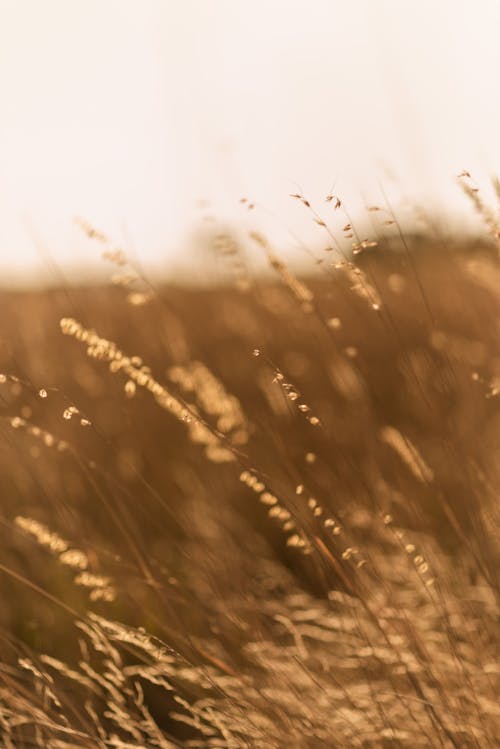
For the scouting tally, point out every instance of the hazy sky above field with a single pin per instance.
(129, 112)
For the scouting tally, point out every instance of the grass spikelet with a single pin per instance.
(408, 453)
(472, 192)
(301, 292)
(360, 284)
(195, 378)
(138, 374)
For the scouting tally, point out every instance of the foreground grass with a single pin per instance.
(262, 517)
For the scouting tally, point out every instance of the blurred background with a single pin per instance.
(148, 117)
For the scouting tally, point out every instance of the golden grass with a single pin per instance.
(254, 516)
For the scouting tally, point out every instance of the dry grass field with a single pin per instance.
(262, 515)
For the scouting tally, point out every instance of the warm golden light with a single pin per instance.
(130, 112)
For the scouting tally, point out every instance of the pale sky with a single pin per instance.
(129, 112)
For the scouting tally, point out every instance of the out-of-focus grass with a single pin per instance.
(315, 543)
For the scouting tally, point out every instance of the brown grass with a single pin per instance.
(262, 516)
